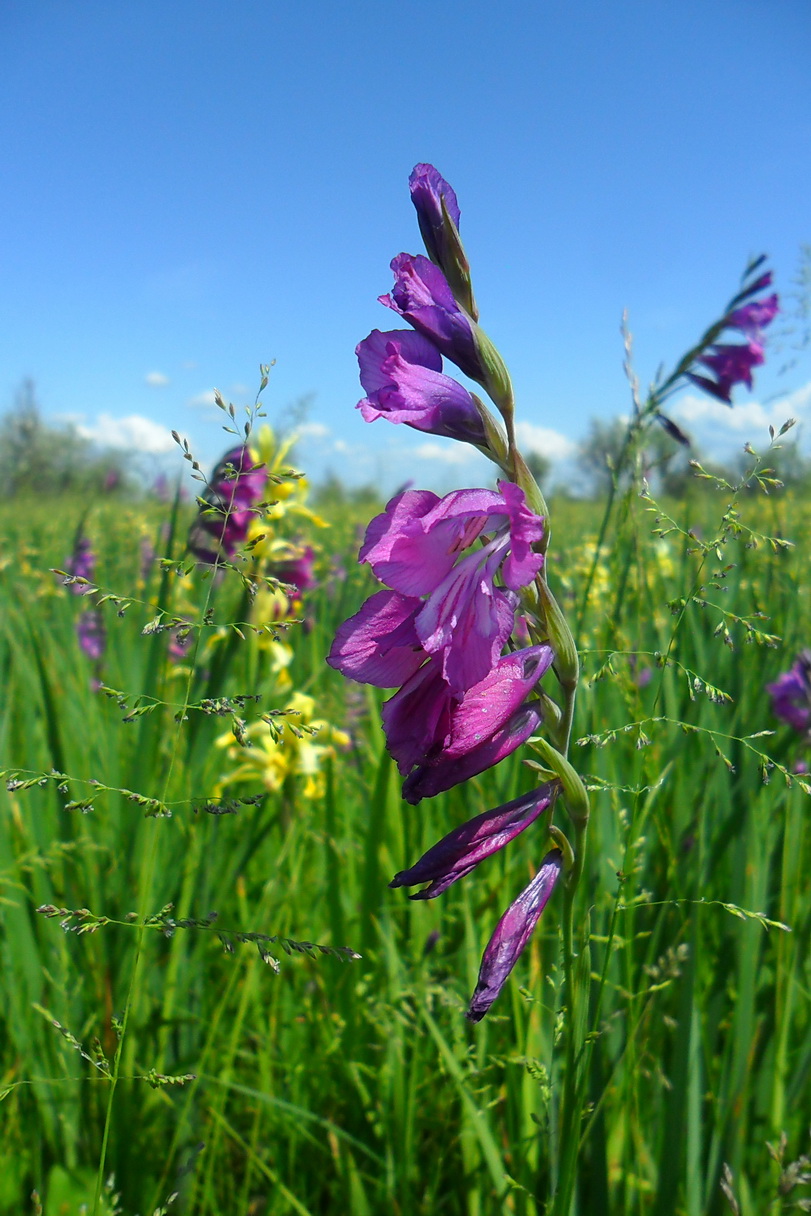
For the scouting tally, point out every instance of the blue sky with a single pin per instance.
(192, 188)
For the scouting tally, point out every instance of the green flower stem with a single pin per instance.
(568, 1138)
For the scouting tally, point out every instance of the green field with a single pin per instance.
(150, 1049)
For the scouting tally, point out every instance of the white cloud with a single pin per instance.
(719, 427)
(457, 454)
(341, 445)
(313, 430)
(133, 432)
(202, 400)
(544, 441)
(156, 379)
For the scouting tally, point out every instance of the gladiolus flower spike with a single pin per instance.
(441, 631)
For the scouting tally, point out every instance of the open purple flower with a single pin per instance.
(414, 546)
(379, 644)
(423, 297)
(791, 694)
(401, 372)
(751, 319)
(731, 364)
(512, 933)
(458, 853)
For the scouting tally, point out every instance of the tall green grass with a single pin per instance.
(358, 1086)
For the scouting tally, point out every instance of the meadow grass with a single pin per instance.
(355, 1085)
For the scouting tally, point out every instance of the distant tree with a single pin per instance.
(790, 465)
(42, 458)
(665, 461)
(333, 493)
(539, 466)
(598, 453)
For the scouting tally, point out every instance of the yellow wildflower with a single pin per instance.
(295, 746)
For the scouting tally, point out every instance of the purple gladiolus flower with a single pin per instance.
(226, 511)
(413, 546)
(445, 772)
(427, 726)
(791, 694)
(379, 644)
(422, 296)
(401, 372)
(458, 853)
(299, 571)
(731, 364)
(91, 634)
(428, 192)
(81, 564)
(512, 933)
(751, 319)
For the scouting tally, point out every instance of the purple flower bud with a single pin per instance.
(511, 935)
(422, 296)
(428, 192)
(458, 853)
(438, 218)
(791, 694)
(401, 372)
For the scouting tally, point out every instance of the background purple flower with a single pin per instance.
(732, 363)
(81, 564)
(91, 634)
(298, 571)
(235, 487)
(791, 694)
